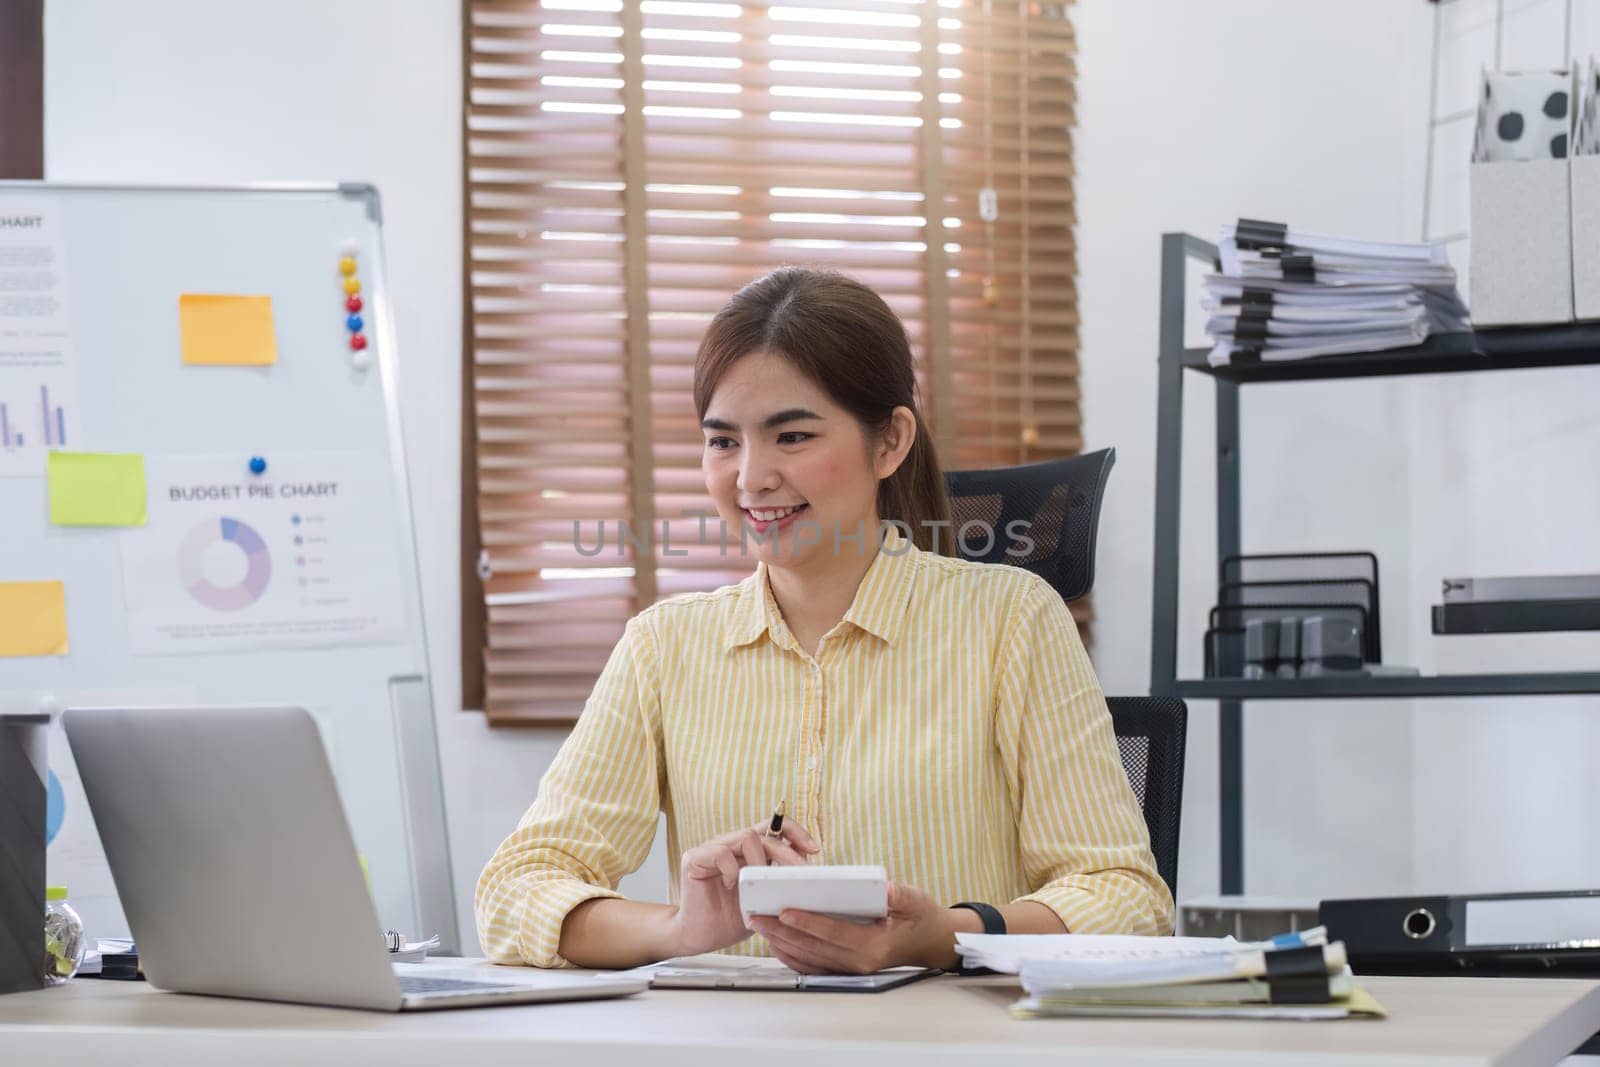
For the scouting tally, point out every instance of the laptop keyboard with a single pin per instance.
(414, 985)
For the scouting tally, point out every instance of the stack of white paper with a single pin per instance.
(1285, 295)
(1294, 977)
(1007, 953)
(403, 951)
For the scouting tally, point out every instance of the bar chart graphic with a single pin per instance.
(39, 408)
(53, 418)
(37, 412)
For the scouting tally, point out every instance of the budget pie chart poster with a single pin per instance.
(303, 555)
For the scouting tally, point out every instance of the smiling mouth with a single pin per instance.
(773, 514)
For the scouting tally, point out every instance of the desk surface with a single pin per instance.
(946, 1020)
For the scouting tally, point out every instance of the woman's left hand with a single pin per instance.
(916, 932)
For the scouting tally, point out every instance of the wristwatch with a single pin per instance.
(993, 921)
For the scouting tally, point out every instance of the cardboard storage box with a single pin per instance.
(1522, 221)
(1585, 186)
(1521, 243)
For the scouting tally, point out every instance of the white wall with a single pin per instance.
(1189, 114)
(1503, 469)
(194, 91)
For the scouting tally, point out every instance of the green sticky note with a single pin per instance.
(97, 489)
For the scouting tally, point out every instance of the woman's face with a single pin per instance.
(787, 466)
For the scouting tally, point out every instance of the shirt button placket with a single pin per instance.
(810, 752)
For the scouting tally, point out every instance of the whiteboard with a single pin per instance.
(127, 256)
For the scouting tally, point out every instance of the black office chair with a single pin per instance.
(1060, 500)
(1151, 732)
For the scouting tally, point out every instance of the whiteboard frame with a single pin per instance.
(410, 696)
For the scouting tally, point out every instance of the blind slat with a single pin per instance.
(628, 169)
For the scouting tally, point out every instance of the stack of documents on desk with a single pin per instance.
(1298, 976)
(1286, 295)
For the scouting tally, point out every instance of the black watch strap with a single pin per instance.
(993, 921)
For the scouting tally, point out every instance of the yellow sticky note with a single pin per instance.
(97, 489)
(227, 331)
(33, 619)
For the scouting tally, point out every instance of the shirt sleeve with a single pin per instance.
(594, 818)
(1085, 845)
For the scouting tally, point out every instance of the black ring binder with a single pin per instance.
(1258, 234)
(1250, 327)
(1299, 268)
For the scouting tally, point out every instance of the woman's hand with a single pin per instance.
(916, 932)
(708, 916)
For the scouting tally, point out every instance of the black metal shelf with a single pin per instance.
(1514, 348)
(1397, 686)
(1509, 348)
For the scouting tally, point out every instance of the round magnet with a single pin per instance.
(352, 285)
(357, 342)
(257, 465)
(350, 247)
(347, 265)
(354, 324)
(361, 360)
(352, 304)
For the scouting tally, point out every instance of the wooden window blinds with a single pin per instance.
(629, 165)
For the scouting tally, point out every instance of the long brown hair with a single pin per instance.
(841, 335)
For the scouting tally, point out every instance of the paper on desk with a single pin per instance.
(754, 972)
(1005, 952)
(1360, 1004)
(413, 951)
(94, 959)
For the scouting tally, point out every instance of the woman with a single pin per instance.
(908, 708)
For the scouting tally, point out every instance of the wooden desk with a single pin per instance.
(961, 1022)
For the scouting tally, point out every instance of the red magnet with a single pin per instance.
(353, 304)
(358, 342)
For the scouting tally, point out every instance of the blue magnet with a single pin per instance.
(354, 323)
(257, 465)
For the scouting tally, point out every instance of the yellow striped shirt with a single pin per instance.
(950, 728)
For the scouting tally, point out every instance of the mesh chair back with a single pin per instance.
(1151, 732)
(1058, 500)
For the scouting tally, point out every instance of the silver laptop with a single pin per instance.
(237, 870)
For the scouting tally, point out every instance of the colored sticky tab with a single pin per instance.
(227, 331)
(33, 619)
(97, 489)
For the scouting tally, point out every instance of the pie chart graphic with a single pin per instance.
(197, 545)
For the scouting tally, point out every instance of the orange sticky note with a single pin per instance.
(33, 619)
(227, 331)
